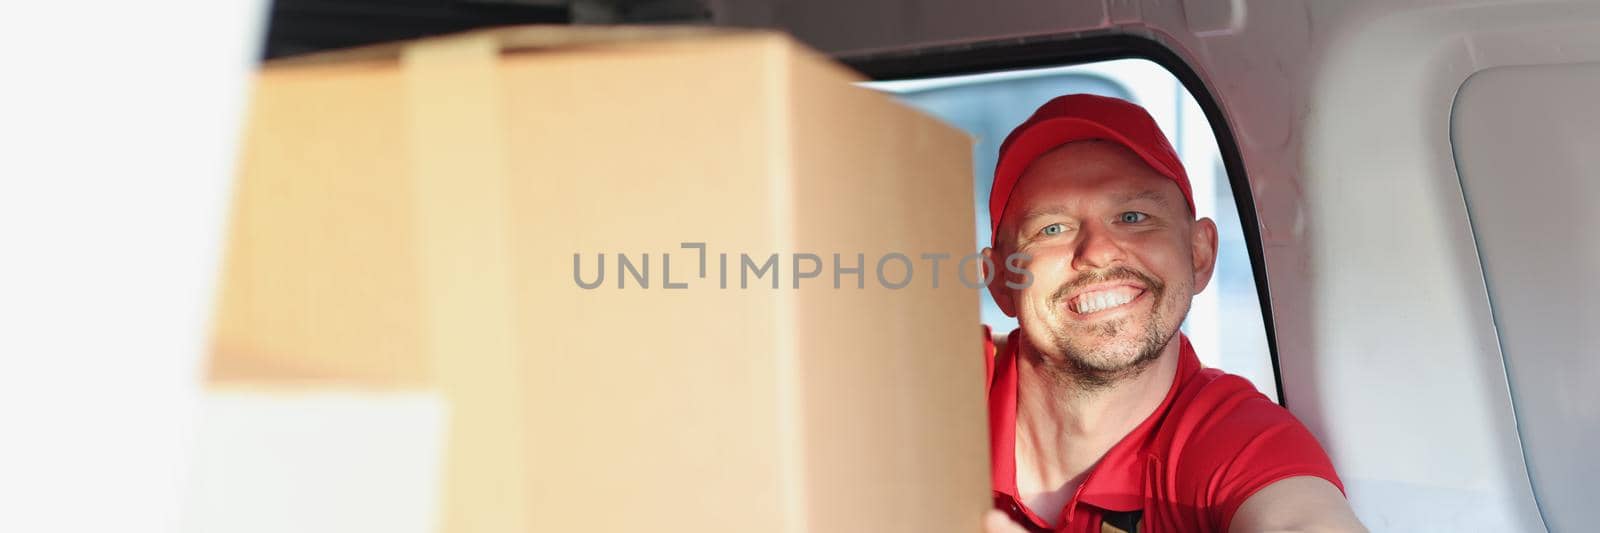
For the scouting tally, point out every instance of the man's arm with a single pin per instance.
(1302, 503)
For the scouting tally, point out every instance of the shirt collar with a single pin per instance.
(1117, 482)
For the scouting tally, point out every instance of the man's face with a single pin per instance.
(1116, 258)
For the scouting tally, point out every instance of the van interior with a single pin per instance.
(1405, 193)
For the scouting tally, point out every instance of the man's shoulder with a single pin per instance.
(1216, 404)
(1223, 440)
(1221, 423)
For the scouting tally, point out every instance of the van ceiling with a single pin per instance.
(304, 26)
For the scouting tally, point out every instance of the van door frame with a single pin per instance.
(1064, 50)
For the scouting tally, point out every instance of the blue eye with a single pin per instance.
(1054, 229)
(1133, 217)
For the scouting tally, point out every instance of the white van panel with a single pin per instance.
(1525, 140)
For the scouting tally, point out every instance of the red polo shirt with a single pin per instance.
(1212, 443)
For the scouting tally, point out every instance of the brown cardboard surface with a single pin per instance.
(319, 282)
(462, 226)
(414, 223)
(871, 177)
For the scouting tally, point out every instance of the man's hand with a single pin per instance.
(998, 522)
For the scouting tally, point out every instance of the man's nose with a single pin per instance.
(1097, 248)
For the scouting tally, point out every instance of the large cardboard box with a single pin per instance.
(427, 216)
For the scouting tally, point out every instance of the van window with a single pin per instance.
(1226, 322)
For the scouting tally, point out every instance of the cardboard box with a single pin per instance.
(425, 217)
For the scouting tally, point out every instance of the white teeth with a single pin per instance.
(1102, 300)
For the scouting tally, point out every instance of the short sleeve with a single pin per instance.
(1244, 443)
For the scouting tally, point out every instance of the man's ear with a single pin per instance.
(994, 270)
(1203, 247)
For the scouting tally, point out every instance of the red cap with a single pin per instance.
(1079, 117)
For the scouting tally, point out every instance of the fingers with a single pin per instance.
(998, 522)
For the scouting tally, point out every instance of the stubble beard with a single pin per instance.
(1089, 367)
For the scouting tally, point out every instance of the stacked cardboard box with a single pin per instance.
(432, 217)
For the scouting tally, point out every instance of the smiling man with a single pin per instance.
(1101, 416)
